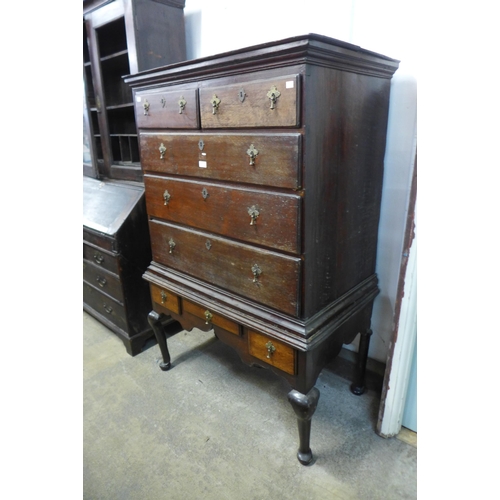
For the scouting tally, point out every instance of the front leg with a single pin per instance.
(358, 386)
(304, 406)
(155, 320)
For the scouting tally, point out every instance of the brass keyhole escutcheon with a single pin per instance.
(273, 95)
(166, 197)
(241, 95)
(215, 101)
(256, 271)
(252, 152)
(204, 193)
(182, 104)
(201, 144)
(146, 107)
(270, 349)
(253, 212)
(208, 244)
(171, 246)
(208, 317)
(163, 296)
(163, 102)
(162, 149)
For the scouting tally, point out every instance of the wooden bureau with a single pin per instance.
(263, 173)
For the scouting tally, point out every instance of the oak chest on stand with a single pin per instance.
(263, 173)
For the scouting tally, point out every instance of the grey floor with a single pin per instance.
(213, 428)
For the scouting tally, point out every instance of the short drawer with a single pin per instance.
(262, 159)
(102, 279)
(104, 305)
(261, 275)
(100, 258)
(210, 317)
(273, 352)
(270, 102)
(165, 298)
(169, 107)
(267, 218)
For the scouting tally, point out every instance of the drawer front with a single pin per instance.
(251, 104)
(100, 240)
(171, 107)
(165, 298)
(267, 218)
(256, 274)
(102, 259)
(273, 352)
(106, 306)
(275, 161)
(210, 317)
(105, 281)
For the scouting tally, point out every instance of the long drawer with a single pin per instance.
(267, 218)
(263, 159)
(261, 275)
(102, 279)
(101, 258)
(106, 306)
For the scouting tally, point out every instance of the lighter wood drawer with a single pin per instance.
(103, 280)
(226, 157)
(165, 298)
(249, 104)
(102, 259)
(273, 352)
(106, 306)
(256, 274)
(267, 218)
(169, 107)
(210, 317)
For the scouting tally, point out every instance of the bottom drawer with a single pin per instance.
(165, 298)
(273, 352)
(105, 305)
(210, 317)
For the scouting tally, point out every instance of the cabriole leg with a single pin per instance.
(358, 386)
(155, 320)
(304, 406)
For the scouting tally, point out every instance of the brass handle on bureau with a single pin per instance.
(162, 149)
(273, 95)
(256, 273)
(146, 107)
(208, 317)
(107, 308)
(215, 101)
(171, 245)
(253, 212)
(98, 258)
(182, 104)
(252, 152)
(166, 197)
(163, 296)
(101, 281)
(270, 349)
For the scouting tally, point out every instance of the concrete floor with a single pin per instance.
(213, 428)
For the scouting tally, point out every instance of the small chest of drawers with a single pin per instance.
(263, 173)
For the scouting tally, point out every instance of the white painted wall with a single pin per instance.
(384, 26)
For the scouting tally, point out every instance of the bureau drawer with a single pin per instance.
(256, 274)
(250, 104)
(101, 258)
(276, 160)
(268, 218)
(170, 107)
(210, 317)
(102, 279)
(104, 305)
(273, 352)
(165, 298)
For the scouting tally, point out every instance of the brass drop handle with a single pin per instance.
(171, 245)
(146, 107)
(208, 317)
(162, 149)
(182, 104)
(163, 296)
(107, 308)
(252, 152)
(270, 349)
(98, 258)
(273, 95)
(215, 101)
(256, 271)
(166, 197)
(253, 212)
(101, 281)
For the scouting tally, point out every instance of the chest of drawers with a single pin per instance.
(263, 172)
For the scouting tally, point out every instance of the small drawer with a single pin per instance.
(105, 306)
(171, 107)
(101, 258)
(273, 352)
(272, 102)
(270, 159)
(103, 280)
(165, 298)
(210, 317)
